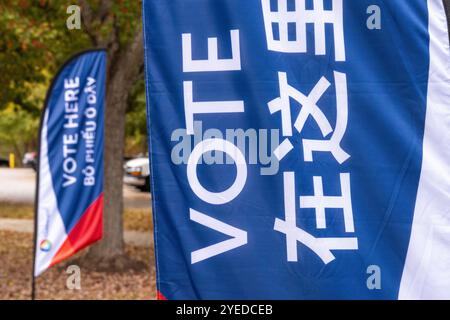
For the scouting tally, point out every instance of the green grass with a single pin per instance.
(16, 211)
(138, 219)
(134, 219)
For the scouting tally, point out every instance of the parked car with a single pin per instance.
(137, 173)
(4, 162)
(30, 160)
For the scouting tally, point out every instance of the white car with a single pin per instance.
(137, 174)
(30, 160)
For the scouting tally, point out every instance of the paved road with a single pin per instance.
(18, 186)
(135, 238)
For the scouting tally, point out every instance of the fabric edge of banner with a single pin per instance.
(159, 294)
(422, 277)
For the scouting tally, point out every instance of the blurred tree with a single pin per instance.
(136, 121)
(115, 25)
(17, 129)
(33, 40)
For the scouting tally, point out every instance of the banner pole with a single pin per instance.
(33, 269)
(36, 206)
(36, 193)
(33, 287)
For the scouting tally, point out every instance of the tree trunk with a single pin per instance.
(124, 68)
(112, 244)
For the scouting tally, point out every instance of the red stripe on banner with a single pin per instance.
(160, 296)
(87, 231)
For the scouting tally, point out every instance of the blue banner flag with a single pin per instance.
(299, 149)
(69, 200)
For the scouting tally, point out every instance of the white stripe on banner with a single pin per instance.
(426, 274)
(50, 225)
